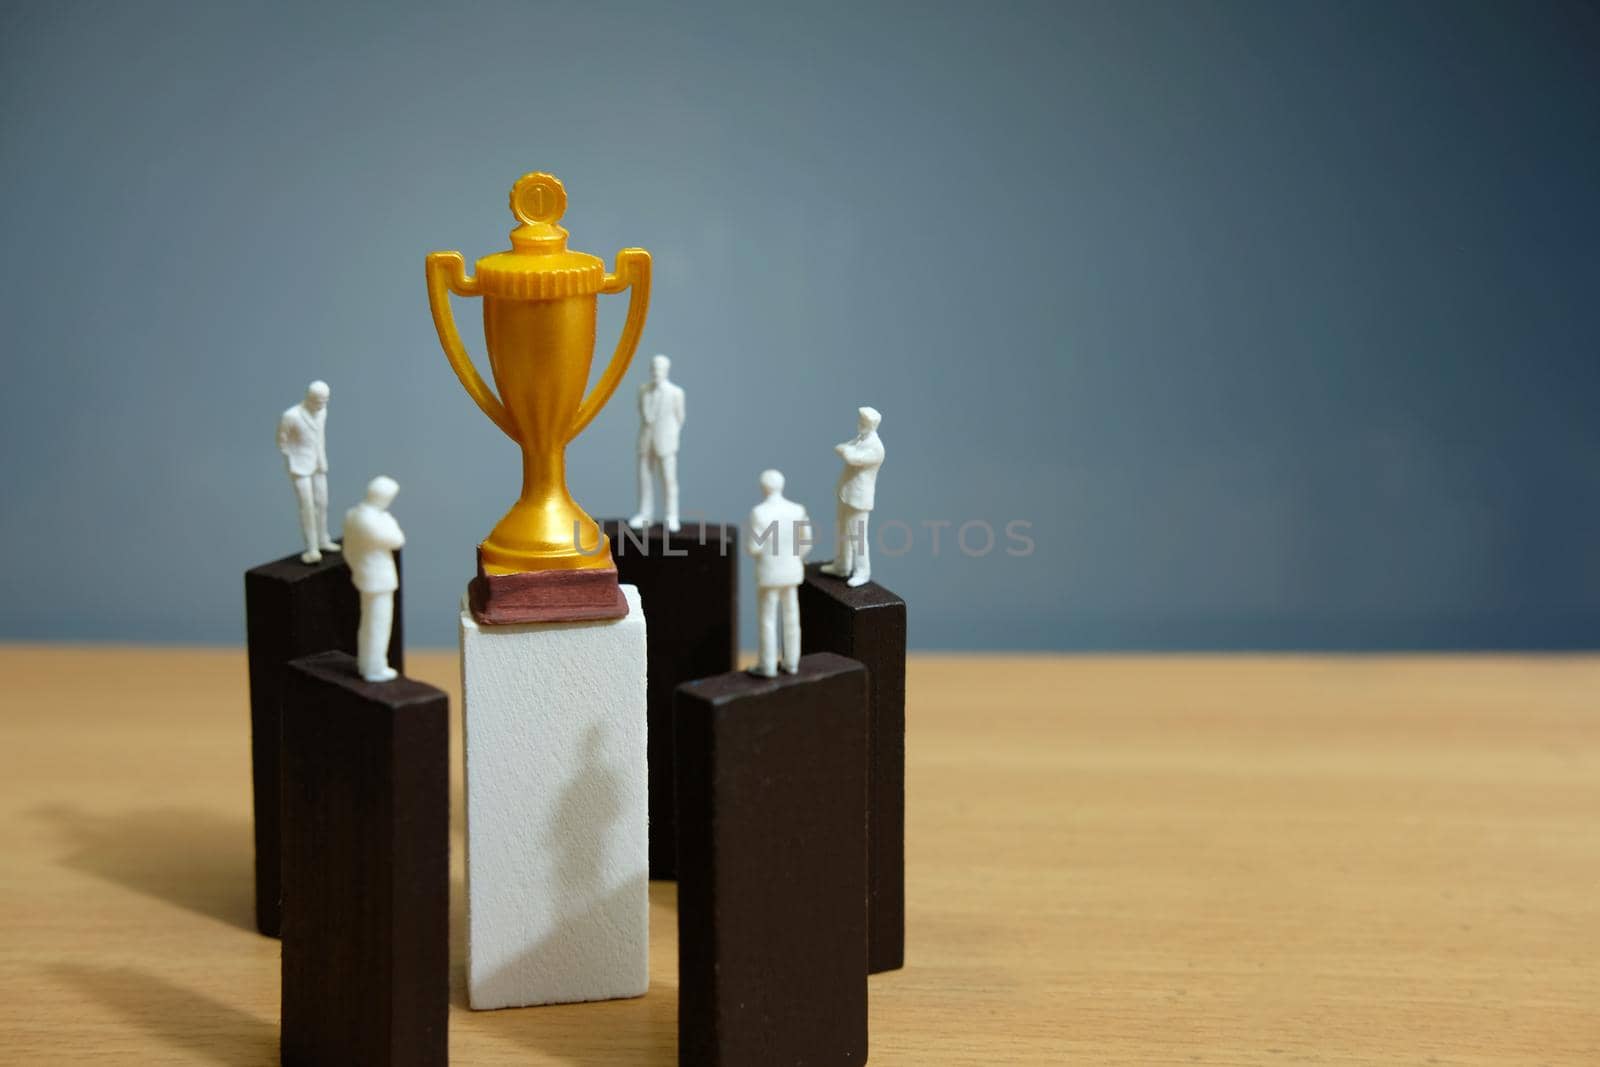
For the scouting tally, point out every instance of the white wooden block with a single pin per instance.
(557, 820)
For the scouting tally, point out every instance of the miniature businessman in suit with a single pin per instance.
(302, 438)
(660, 421)
(779, 537)
(857, 484)
(370, 536)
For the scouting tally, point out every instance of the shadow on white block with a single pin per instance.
(556, 804)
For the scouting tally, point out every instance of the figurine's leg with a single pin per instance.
(791, 628)
(647, 502)
(861, 569)
(364, 637)
(372, 636)
(319, 488)
(767, 636)
(840, 566)
(669, 487)
(308, 517)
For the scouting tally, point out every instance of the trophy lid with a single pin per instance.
(539, 266)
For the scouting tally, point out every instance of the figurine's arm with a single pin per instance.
(678, 404)
(860, 454)
(284, 430)
(644, 418)
(392, 538)
(804, 550)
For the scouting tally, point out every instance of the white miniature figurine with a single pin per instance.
(660, 420)
(862, 457)
(303, 441)
(774, 538)
(371, 535)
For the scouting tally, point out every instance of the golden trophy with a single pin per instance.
(546, 560)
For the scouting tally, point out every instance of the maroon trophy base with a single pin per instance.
(546, 596)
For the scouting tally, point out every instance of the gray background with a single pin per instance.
(1276, 321)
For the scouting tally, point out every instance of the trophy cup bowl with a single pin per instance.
(546, 560)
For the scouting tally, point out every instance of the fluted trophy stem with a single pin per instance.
(544, 475)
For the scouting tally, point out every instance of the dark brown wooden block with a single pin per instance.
(366, 868)
(292, 609)
(772, 876)
(689, 584)
(868, 623)
(576, 595)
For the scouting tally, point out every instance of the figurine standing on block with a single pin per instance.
(774, 538)
(371, 535)
(862, 456)
(660, 421)
(292, 610)
(302, 438)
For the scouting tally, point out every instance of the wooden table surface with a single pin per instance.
(1115, 860)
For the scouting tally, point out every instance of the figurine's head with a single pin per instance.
(771, 482)
(381, 491)
(867, 419)
(316, 396)
(659, 365)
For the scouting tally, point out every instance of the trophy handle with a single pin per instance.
(633, 271)
(447, 273)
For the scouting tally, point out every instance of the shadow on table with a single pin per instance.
(189, 856)
(184, 1018)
